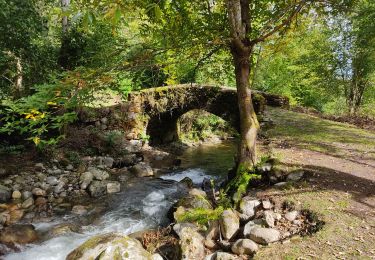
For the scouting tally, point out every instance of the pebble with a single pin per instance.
(16, 195)
(39, 192)
(28, 203)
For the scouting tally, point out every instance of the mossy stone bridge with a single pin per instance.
(155, 112)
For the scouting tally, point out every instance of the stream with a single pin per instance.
(140, 206)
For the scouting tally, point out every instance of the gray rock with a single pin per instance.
(41, 176)
(28, 203)
(110, 246)
(291, 215)
(213, 232)
(113, 187)
(295, 175)
(39, 166)
(39, 192)
(85, 179)
(269, 218)
(281, 184)
(79, 210)
(108, 161)
(247, 228)
(180, 226)
(97, 189)
(226, 256)
(5, 193)
(99, 174)
(52, 180)
(229, 224)
(26, 194)
(16, 195)
(142, 170)
(248, 206)
(197, 192)
(266, 204)
(244, 247)
(192, 244)
(264, 236)
(60, 187)
(70, 167)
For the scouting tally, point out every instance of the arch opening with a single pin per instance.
(191, 126)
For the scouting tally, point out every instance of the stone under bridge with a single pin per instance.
(155, 112)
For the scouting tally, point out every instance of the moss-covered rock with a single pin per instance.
(110, 246)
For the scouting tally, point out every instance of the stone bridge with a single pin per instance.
(155, 112)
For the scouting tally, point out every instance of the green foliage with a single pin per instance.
(199, 125)
(201, 216)
(38, 116)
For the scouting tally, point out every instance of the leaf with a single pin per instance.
(157, 12)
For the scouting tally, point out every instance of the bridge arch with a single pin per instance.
(163, 107)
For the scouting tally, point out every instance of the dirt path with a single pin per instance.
(340, 185)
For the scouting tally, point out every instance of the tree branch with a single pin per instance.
(283, 24)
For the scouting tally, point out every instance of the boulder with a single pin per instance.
(62, 229)
(247, 228)
(108, 161)
(97, 189)
(229, 224)
(99, 174)
(177, 228)
(244, 247)
(142, 170)
(85, 179)
(18, 234)
(226, 256)
(192, 244)
(295, 175)
(5, 193)
(110, 246)
(248, 206)
(291, 215)
(193, 202)
(79, 210)
(113, 187)
(264, 236)
(197, 192)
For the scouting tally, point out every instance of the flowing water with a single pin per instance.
(142, 205)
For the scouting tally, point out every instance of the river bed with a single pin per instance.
(142, 205)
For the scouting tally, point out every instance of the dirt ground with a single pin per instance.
(339, 160)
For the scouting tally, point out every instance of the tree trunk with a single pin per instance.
(64, 53)
(65, 22)
(19, 80)
(241, 49)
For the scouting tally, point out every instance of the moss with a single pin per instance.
(194, 202)
(201, 216)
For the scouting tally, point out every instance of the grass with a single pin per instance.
(313, 133)
(341, 199)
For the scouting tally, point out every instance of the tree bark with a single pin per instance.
(241, 49)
